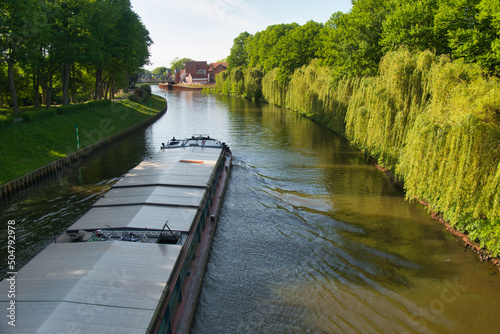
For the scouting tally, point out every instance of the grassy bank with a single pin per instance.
(39, 140)
(432, 122)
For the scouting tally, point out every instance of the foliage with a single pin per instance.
(298, 48)
(159, 70)
(435, 124)
(273, 90)
(140, 94)
(456, 138)
(253, 83)
(222, 83)
(231, 82)
(432, 122)
(263, 49)
(411, 23)
(56, 46)
(6, 120)
(314, 93)
(239, 53)
(29, 116)
(387, 105)
(351, 41)
(179, 63)
(39, 114)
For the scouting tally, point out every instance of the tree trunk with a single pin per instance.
(36, 89)
(12, 85)
(44, 90)
(108, 85)
(72, 93)
(49, 92)
(113, 89)
(65, 75)
(98, 84)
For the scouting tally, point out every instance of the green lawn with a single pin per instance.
(25, 146)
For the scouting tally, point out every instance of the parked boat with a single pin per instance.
(187, 87)
(134, 262)
(166, 86)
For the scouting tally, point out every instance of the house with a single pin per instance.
(196, 72)
(214, 69)
(199, 72)
(177, 75)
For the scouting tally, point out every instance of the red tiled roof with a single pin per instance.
(213, 66)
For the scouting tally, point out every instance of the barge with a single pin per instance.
(134, 262)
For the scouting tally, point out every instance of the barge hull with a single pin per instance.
(183, 316)
(136, 273)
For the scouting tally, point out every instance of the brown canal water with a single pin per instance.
(312, 238)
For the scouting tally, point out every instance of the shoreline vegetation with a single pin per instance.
(432, 124)
(47, 135)
(68, 51)
(430, 119)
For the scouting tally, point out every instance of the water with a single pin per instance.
(312, 238)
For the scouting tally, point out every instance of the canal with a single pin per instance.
(311, 239)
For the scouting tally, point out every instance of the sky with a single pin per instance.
(205, 29)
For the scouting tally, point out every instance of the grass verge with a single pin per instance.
(26, 146)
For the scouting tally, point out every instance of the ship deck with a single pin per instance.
(124, 281)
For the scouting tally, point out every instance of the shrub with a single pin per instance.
(38, 114)
(140, 94)
(6, 121)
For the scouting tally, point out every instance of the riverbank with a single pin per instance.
(34, 149)
(482, 254)
(430, 122)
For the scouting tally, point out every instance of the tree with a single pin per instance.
(70, 29)
(453, 18)
(489, 11)
(102, 19)
(16, 28)
(412, 24)
(133, 41)
(39, 38)
(179, 63)
(297, 48)
(473, 30)
(119, 44)
(159, 70)
(352, 39)
(239, 52)
(262, 46)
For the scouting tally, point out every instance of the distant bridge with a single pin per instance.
(144, 78)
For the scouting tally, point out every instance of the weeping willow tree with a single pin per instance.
(387, 105)
(436, 125)
(222, 83)
(314, 93)
(433, 122)
(253, 83)
(241, 83)
(273, 90)
(230, 83)
(452, 155)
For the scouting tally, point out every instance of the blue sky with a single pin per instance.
(205, 29)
